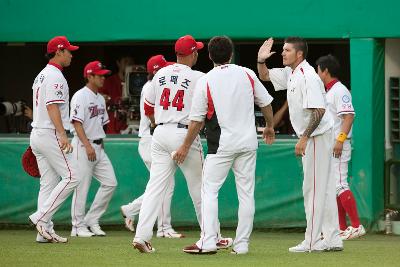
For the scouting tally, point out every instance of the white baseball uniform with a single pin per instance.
(133, 208)
(89, 108)
(50, 87)
(225, 99)
(339, 100)
(305, 91)
(171, 96)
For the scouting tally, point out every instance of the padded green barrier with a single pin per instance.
(278, 193)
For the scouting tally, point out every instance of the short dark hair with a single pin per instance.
(220, 49)
(50, 55)
(299, 44)
(329, 62)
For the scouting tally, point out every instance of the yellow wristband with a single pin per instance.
(341, 137)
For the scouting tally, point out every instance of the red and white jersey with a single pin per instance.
(144, 127)
(305, 91)
(171, 93)
(226, 96)
(50, 87)
(339, 101)
(89, 108)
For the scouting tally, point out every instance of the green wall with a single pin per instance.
(367, 83)
(278, 187)
(144, 20)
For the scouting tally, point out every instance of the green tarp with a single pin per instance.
(278, 193)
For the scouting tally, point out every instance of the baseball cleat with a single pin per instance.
(170, 235)
(43, 232)
(194, 249)
(41, 239)
(81, 232)
(352, 233)
(58, 239)
(128, 221)
(142, 246)
(96, 230)
(302, 247)
(224, 243)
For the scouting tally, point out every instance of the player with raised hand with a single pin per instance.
(313, 125)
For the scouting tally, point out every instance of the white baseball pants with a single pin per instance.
(215, 170)
(53, 163)
(319, 192)
(340, 168)
(133, 208)
(168, 138)
(103, 171)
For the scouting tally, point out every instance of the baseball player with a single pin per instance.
(88, 116)
(49, 139)
(224, 98)
(313, 125)
(167, 104)
(129, 211)
(341, 108)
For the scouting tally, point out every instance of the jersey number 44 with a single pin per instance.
(177, 102)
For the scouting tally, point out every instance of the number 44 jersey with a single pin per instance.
(171, 93)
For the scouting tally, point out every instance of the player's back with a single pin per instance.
(173, 88)
(50, 87)
(232, 93)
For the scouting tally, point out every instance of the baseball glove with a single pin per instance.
(29, 163)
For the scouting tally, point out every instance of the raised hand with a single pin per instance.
(265, 50)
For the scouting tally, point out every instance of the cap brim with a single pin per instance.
(101, 72)
(199, 45)
(73, 48)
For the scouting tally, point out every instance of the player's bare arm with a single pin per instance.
(269, 132)
(183, 150)
(55, 116)
(345, 128)
(315, 119)
(91, 153)
(263, 54)
(278, 116)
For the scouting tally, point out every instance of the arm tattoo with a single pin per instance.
(315, 119)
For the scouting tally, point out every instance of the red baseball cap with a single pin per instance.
(60, 42)
(95, 68)
(186, 45)
(157, 62)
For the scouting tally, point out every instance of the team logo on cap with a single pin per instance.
(60, 46)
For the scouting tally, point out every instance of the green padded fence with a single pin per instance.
(278, 193)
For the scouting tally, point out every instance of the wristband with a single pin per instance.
(258, 62)
(341, 137)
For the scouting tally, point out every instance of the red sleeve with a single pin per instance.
(148, 110)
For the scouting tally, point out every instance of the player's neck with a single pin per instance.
(329, 80)
(92, 87)
(185, 61)
(56, 62)
(296, 63)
